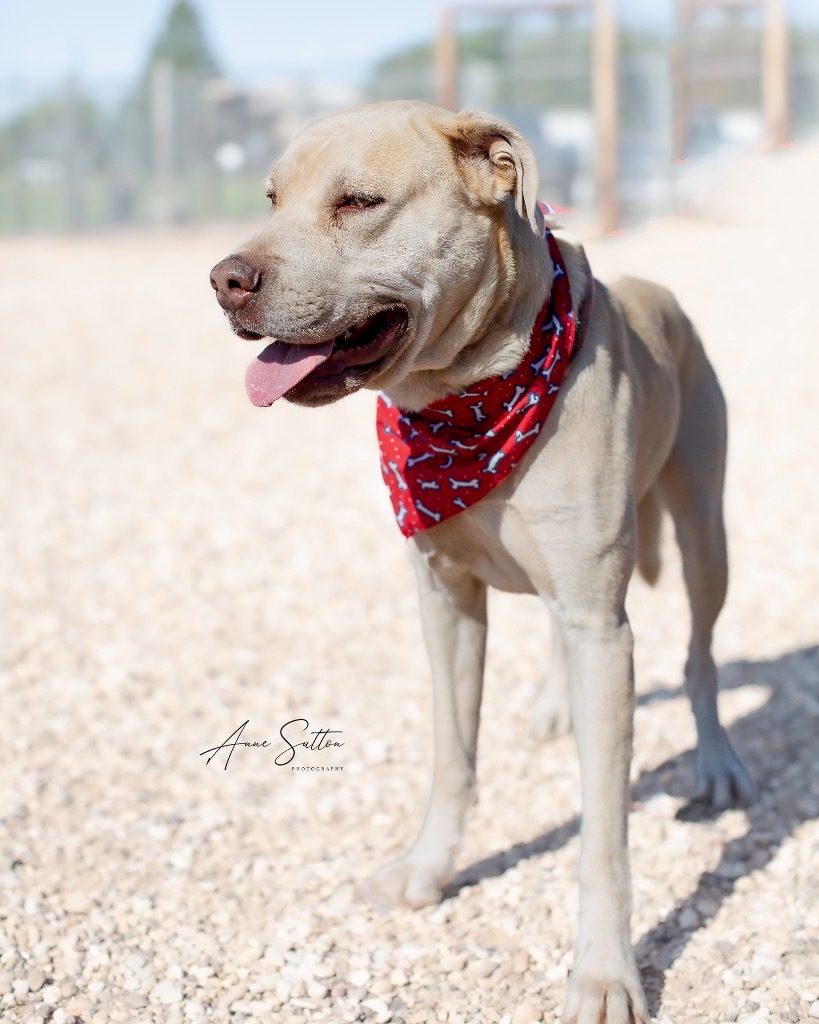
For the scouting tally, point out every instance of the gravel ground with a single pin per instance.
(175, 562)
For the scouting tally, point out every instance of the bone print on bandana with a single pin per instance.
(444, 458)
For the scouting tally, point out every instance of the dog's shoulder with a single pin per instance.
(654, 314)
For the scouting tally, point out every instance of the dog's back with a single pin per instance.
(681, 404)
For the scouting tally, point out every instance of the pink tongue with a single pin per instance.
(280, 367)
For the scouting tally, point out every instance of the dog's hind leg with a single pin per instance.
(453, 615)
(692, 485)
(551, 713)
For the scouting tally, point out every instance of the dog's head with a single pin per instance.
(394, 245)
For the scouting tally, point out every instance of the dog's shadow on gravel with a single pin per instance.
(778, 743)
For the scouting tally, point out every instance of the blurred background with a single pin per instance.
(169, 111)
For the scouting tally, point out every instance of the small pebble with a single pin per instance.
(35, 979)
(526, 1014)
(167, 993)
(78, 903)
(51, 994)
(77, 1006)
(382, 1013)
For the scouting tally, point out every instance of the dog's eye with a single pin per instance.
(272, 197)
(359, 202)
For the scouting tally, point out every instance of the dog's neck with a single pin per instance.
(523, 274)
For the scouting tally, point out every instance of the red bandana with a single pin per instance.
(444, 458)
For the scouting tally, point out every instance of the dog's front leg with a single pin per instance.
(605, 985)
(551, 714)
(453, 615)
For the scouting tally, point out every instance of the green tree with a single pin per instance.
(182, 42)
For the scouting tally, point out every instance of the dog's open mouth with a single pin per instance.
(361, 347)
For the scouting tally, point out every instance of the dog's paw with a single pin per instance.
(405, 883)
(721, 779)
(550, 716)
(605, 1001)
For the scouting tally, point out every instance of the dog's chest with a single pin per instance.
(485, 542)
(501, 571)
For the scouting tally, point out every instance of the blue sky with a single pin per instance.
(45, 40)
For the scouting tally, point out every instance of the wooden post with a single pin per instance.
(162, 124)
(74, 164)
(605, 84)
(775, 75)
(679, 82)
(20, 189)
(775, 67)
(606, 112)
(446, 60)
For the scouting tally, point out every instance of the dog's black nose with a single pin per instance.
(234, 281)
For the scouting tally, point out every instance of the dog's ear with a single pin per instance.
(496, 162)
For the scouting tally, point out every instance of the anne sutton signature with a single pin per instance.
(288, 732)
